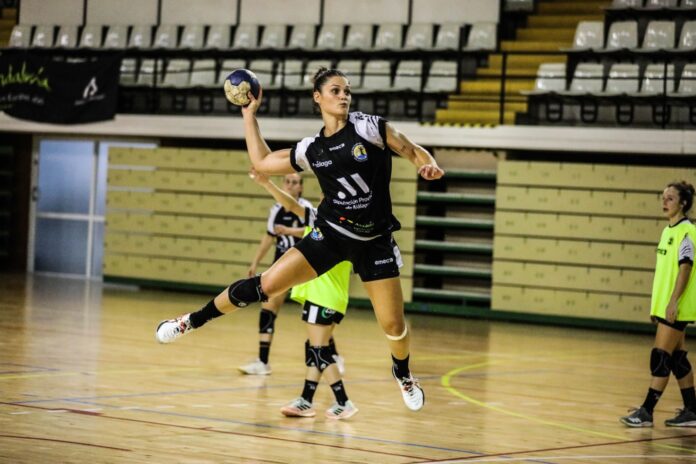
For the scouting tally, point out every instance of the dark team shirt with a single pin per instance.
(279, 216)
(353, 167)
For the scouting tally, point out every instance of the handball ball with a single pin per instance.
(238, 84)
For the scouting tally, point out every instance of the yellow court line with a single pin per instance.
(446, 382)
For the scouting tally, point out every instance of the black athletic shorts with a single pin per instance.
(676, 325)
(375, 259)
(320, 315)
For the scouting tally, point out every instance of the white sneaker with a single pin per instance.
(413, 394)
(255, 368)
(340, 363)
(299, 407)
(171, 329)
(336, 411)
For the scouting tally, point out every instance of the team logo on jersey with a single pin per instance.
(327, 313)
(670, 241)
(316, 234)
(359, 152)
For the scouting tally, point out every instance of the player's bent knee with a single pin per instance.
(396, 338)
(267, 321)
(318, 356)
(660, 363)
(246, 291)
(680, 364)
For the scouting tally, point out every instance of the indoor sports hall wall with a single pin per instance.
(183, 12)
(578, 240)
(173, 226)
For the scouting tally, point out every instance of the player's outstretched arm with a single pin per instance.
(262, 158)
(419, 156)
(279, 195)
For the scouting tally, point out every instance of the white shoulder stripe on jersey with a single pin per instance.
(686, 249)
(301, 152)
(367, 127)
(270, 224)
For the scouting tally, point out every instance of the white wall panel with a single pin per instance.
(280, 11)
(455, 11)
(199, 11)
(126, 12)
(365, 11)
(51, 12)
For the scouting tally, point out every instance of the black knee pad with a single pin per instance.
(680, 365)
(660, 363)
(267, 321)
(246, 291)
(319, 357)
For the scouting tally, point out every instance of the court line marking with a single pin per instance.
(251, 424)
(563, 458)
(446, 383)
(69, 442)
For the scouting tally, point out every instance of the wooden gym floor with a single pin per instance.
(83, 380)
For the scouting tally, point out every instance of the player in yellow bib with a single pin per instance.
(324, 302)
(673, 307)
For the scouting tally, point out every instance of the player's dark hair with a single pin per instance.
(686, 194)
(324, 74)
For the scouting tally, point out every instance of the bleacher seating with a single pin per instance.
(20, 36)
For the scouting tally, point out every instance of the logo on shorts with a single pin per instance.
(327, 313)
(359, 152)
(316, 234)
(384, 261)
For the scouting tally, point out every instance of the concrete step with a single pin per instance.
(555, 21)
(492, 86)
(547, 34)
(519, 107)
(524, 61)
(472, 117)
(570, 7)
(528, 45)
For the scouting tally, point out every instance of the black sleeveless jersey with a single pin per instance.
(353, 167)
(279, 216)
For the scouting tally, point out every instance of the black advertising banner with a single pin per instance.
(61, 91)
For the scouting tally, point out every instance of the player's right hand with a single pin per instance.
(253, 106)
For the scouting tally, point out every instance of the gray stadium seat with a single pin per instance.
(266, 73)
(330, 37)
(483, 36)
(654, 80)
(20, 37)
(203, 73)
(91, 36)
(658, 36)
(359, 37)
(67, 37)
(246, 36)
(218, 37)
(43, 36)
(442, 77)
(408, 76)
(150, 72)
(167, 36)
(389, 37)
(419, 37)
(550, 78)
(302, 37)
(661, 4)
(140, 37)
(687, 41)
(116, 37)
(352, 69)
(688, 4)
(687, 83)
(622, 34)
(448, 36)
(587, 79)
(274, 36)
(178, 74)
(620, 4)
(293, 74)
(377, 76)
(129, 71)
(589, 35)
(624, 79)
(192, 36)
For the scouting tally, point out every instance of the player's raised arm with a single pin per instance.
(279, 195)
(262, 158)
(419, 156)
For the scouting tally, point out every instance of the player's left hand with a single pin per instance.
(258, 177)
(430, 172)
